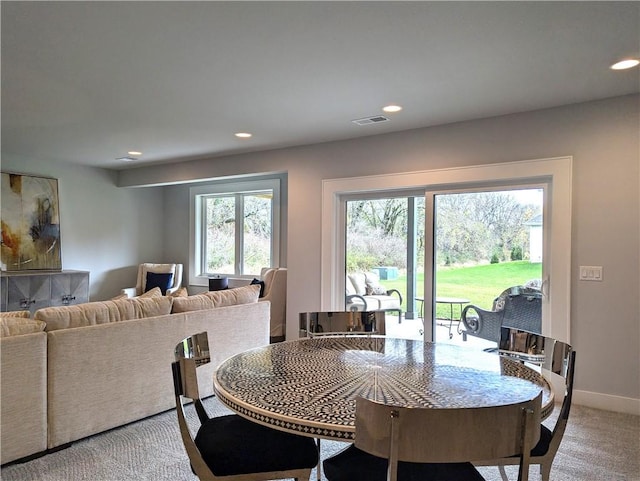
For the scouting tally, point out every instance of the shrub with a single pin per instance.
(516, 253)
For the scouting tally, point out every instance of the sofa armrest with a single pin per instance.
(355, 300)
(390, 292)
(23, 389)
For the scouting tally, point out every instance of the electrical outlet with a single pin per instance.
(590, 273)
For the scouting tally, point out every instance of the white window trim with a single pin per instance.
(555, 172)
(195, 226)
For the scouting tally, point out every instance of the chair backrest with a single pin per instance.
(430, 435)
(275, 291)
(191, 353)
(523, 309)
(342, 323)
(553, 356)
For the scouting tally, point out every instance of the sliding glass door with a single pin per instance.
(487, 246)
(384, 247)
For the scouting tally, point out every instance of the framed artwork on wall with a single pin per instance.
(30, 217)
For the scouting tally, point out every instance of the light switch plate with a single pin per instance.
(590, 273)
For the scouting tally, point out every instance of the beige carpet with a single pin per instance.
(597, 446)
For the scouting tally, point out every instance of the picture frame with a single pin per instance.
(30, 218)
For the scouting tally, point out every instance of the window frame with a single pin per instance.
(197, 217)
(556, 173)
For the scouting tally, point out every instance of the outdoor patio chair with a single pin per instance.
(518, 307)
(557, 360)
(231, 447)
(364, 293)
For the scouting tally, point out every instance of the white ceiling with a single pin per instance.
(84, 82)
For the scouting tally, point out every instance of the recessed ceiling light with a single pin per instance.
(134, 153)
(243, 135)
(392, 108)
(126, 159)
(625, 64)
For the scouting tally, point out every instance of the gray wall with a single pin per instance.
(104, 229)
(108, 230)
(603, 139)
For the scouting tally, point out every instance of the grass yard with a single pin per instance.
(480, 284)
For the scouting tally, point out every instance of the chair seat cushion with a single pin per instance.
(542, 447)
(234, 445)
(353, 464)
(387, 302)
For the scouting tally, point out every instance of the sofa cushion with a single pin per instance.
(209, 300)
(102, 312)
(16, 326)
(23, 314)
(150, 307)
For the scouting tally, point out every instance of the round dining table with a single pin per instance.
(309, 386)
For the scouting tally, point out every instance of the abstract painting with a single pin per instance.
(30, 216)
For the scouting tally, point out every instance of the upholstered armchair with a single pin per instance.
(166, 276)
(275, 291)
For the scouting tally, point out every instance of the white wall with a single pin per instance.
(104, 229)
(603, 139)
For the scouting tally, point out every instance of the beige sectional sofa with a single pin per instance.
(86, 374)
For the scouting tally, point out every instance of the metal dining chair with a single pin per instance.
(346, 323)
(556, 359)
(231, 447)
(429, 444)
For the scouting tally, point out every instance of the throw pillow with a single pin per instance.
(182, 292)
(158, 279)
(376, 291)
(261, 283)
(155, 292)
(373, 287)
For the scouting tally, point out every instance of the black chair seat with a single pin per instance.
(230, 444)
(353, 464)
(542, 447)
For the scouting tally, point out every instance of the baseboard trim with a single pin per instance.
(607, 402)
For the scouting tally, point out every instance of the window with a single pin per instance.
(235, 229)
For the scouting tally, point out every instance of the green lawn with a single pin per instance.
(480, 284)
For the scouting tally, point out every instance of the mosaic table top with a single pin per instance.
(309, 386)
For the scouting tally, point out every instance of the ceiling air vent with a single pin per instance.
(371, 120)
